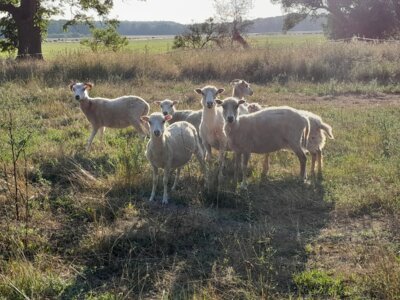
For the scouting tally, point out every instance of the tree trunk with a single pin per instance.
(29, 34)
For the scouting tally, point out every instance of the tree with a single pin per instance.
(346, 18)
(197, 35)
(106, 38)
(232, 16)
(25, 22)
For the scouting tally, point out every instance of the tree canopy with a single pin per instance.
(347, 18)
(24, 24)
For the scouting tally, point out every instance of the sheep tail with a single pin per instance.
(328, 129)
(145, 126)
(306, 134)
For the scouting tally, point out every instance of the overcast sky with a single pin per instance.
(182, 11)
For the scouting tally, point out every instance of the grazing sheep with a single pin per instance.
(211, 126)
(170, 148)
(266, 131)
(192, 116)
(316, 139)
(113, 113)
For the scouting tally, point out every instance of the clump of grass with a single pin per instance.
(316, 283)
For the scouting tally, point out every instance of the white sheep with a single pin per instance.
(192, 116)
(211, 126)
(266, 131)
(113, 113)
(241, 89)
(170, 148)
(316, 140)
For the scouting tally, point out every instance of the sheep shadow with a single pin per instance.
(183, 248)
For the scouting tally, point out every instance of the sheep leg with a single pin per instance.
(200, 157)
(303, 161)
(208, 154)
(155, 181)
(165, 182)
(313, 159)
(320, 163)
(265, 169)
(90, 140)
(221, 165)
(238, 160)
(245, 161)
(178, 172)
(137, 124)
(101, 132)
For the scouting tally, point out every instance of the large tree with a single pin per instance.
(25, 21)
(346, 18)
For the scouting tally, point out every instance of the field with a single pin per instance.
(77, 224)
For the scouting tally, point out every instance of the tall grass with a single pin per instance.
(311, 62)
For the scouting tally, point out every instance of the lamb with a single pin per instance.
(211, 126)
(192, 116)
(266, 131)
(113, 113)
(316, 140)
(170, 148)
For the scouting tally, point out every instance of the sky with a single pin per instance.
(181, 11)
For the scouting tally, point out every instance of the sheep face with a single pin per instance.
(209, 94)
(167, 106)
(157, 123)
(80, 90)
(243, 87)
(230, 108)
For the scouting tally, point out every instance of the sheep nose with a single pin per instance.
(77, 97)
(165, 113)
(251, 93)
(157, 132)
(230, 119)
(209, 105)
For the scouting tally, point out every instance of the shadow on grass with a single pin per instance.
(246, 250)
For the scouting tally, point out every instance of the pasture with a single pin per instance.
(85, 229)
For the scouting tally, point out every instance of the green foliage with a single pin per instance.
(106, 38)
(197, 35)
(347, 18)
(316, 283)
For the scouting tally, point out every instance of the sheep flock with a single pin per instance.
(231, 124)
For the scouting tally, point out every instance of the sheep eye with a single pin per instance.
(163, 121)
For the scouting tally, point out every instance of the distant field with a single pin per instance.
(53, 48)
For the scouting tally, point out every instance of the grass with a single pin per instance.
(91, 234)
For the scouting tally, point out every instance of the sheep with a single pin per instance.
(316, 140)
(113, 113)
(266, 131)
(170, 148)
(241, 89)
(254, 107)
(211, 126)
(192, 116)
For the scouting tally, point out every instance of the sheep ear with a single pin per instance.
(242, 101)
(88, 85)
(199, 91)
(145, 118)
(167, 117)
(71, 85)
(175, 102)
(220, 91)
(218, 101)
(157, 102)
(235, 81)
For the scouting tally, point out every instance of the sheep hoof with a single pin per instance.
(165, 201)
(243, 186)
